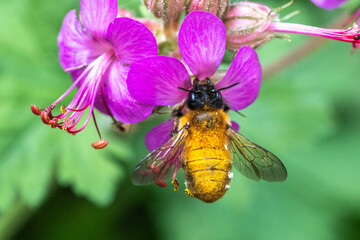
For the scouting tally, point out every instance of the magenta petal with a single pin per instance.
(118, 98)
(155, 80)
(131, 40)
(329, 4)
(202, 39)
(159, 135)
(245, 70)
(75, 46)
(235, 126)
(96, 16)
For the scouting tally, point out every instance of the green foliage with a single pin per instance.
(307, 115)
(34, 157)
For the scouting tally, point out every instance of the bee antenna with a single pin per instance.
(184, 89)
(228, 87)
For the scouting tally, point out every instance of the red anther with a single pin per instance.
(100, 144)
(160, 182)
(44, 117)
(35, 110)
(71, 130)
(53, 123)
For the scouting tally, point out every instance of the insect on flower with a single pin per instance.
(202, 140)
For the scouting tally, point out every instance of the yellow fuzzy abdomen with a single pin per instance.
(207, 161)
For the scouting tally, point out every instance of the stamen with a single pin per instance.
(44, 118)
(160, 182)
(53, 123)
(63, 109)
(35, 110)
(175, 183)
(100, 144)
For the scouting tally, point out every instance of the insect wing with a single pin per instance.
(161, 163)
(254, 161)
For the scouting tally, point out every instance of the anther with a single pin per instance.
(53, 123)
(35, 110)
(44, 117)
(160, 182)
(71, 129)
(63, 109)
(175, 183)
(100, 144)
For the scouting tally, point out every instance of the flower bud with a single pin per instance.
(168, 10)
(216, 7)
(246, 23)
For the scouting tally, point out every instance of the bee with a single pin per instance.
(205, 146)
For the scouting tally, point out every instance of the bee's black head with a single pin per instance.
(203, 94)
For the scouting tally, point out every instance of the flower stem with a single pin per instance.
(307, 48)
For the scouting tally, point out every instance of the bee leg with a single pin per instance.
(188, 192)
(177, 113)
(172, 133)
(226, 108)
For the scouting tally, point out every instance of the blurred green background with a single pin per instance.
(56, 186)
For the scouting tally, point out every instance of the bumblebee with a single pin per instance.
(205, 145)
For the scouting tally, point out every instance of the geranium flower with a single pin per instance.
(202, 38)
(98, 52)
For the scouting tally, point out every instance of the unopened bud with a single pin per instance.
(35, 110)
(246, 24)
(168, 10)
(216, 7)
(100, 144)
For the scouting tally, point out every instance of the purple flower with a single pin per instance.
(329, 4)
(98, 52)
(202, 38)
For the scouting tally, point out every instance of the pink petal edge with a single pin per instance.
(159, 135)
(97, 15)
(76, 48)
(202, 39)
(131, 40)
(118, 98)
(245, 70)
(235, 126)
(155, 80)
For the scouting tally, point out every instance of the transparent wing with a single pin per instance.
(254, 161)
(162, 162)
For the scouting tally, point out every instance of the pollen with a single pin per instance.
(188, 192)
(175, 183)
(63, 109)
